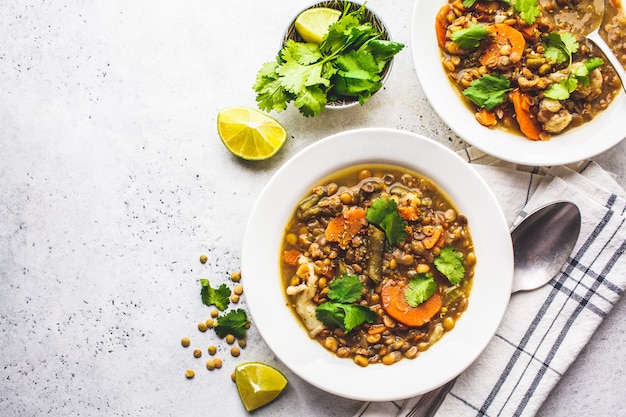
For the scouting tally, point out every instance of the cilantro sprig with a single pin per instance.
(384, 214)
(470, 37)
(234, 322)
(219, 297)
(348, 63)
(488, 91)
(450, 263)
(560, 48)
(420, 288)
(341, 311)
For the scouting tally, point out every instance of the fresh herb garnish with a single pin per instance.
(218, 297)
(560, 48)
(348, 62)
(450, 263)
(470, 37)
(420, 288)
(234, 322)
(384, 214)
(488, 91)
(339, 311)
(528, 10)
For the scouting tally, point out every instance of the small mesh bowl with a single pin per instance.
(292, 34)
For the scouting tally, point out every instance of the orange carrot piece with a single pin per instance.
(408, 213)
(503, 34)
(528, 124)
(291, 257)
(394, 303)
(486, 117)
(344, 228)
(441, 25)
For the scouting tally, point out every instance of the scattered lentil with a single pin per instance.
(203, 259)
(234, 298)
(238, 289)
(218, 362)
(210, 323)
(189, 373)
(197, 353)
(235, 276)
(185, 342)
(212, 350)
(210, 364)
(242, 343)
(234, 351)
(202, 326)
(230, 339)
(214, 313)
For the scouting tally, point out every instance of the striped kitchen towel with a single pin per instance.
(543, 330)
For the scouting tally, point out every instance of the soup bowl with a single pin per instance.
(283, 332)
(579, 143)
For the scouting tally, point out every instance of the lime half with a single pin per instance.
(258, 384)
(312, 24)
(249, 133)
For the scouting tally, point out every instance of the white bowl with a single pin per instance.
(283, 333)
(583, 142)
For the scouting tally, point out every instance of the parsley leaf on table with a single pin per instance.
(488, 91)
(450, 263)
(420, 288)
(470, 37)
(384, 214)
(211, 296)
(234, 322)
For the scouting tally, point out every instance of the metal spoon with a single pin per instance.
(542, 242)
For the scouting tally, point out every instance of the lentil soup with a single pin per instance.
(377, 263)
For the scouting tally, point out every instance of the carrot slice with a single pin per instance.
(291, 257)
(408, 213)
(486, 117)
(441, 25)
(503, 34)
(344, 228)
(528, 124)
(394, 303)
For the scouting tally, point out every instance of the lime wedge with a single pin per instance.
(312, 24)
(258, 384)
(249, 133)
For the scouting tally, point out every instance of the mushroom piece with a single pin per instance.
(302, 295)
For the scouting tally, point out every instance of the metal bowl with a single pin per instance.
(292, 34)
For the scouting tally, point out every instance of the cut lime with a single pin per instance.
(249, 133)
(312, 24)
(258, 384)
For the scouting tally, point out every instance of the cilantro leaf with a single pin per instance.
(234, 322)
(345, 289)
(420, 288)
(345, 316)
(384, 214)
(469, 38)
(558, 91)
(357, 75)
(527, 9)
(450, 263)
(488, 91)
(559, 47)
(218, 297)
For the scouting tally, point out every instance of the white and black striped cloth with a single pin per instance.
(543, 330)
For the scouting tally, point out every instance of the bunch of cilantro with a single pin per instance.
(348, 63)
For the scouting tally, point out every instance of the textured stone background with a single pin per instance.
(113, 181)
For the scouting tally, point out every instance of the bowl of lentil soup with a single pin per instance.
(362, 162)
(505, 93)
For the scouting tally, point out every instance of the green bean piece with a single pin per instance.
(376, 249)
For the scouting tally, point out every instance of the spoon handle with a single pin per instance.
(428, 405)
(604, 47)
